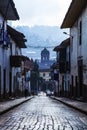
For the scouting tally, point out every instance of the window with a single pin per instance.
(4, 82)
(11, 48)
(80, 33)
(1, 33)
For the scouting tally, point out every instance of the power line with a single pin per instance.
(40, 46)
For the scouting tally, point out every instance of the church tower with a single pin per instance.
(45, 55)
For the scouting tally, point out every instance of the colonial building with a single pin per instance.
(63, 67)
(7, 12)
(44, 66)
(19, 64)
(76, 20)
(14, 67)
(45, 56)
(45, 74)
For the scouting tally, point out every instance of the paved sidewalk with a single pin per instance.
(8, 105)
(78, 105)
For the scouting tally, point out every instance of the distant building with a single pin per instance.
(45, 74)
(44, 67)
(45, 55)
(45, 60)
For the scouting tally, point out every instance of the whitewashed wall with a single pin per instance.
(73, 50)
(47, 76)
(84, 44)
(79, 50)
(1, 56)
(4, 60)
(16, 51)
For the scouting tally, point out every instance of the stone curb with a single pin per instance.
(17, 104)
(71, 105)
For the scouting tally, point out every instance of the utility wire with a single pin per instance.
(40, 46)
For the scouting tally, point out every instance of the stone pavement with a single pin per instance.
(78, 105)
(8, 105)
(43, 113)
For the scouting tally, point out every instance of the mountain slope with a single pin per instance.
(39, 37)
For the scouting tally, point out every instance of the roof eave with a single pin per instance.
(63, 44)
(18, 37)
(74, 11)
(8, 10)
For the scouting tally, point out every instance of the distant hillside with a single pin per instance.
(41, 36)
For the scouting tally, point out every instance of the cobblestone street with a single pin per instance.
(43, 113)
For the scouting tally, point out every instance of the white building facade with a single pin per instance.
(63, 67)
(19, 64)
(7, 12)
(76, 20)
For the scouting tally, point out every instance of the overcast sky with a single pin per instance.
(41, 12)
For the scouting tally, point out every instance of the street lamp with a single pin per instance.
(68, 34)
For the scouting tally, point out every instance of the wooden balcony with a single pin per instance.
(16, 61)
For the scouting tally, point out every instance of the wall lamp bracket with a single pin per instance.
(68, 34)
